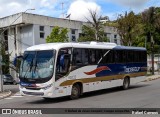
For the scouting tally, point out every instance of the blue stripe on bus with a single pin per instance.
(116, 69)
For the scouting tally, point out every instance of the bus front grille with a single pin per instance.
(34, 93)
(32, 88)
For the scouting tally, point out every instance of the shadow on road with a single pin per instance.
(111, 90)
(86, 95)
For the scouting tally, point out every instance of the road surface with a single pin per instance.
(142, 95)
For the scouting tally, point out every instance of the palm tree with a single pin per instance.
(96, 25)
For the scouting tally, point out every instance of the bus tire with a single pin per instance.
(126, 83)
(75, 92)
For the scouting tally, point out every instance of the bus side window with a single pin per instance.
(80, 56)
(99, 55)
(77, 54)
(85, 56)
(92, 58)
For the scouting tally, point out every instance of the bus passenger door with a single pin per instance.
(62, 70)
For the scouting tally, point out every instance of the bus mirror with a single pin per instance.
(16, 59)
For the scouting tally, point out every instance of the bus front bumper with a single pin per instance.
(40, 93)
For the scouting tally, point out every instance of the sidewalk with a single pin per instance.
(152, 77)
(5, 94)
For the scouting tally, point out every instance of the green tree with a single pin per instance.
(5, 59)
(6, 63)
(94, 31)
(58, 35)
(148, 16)
(151, 22)
(127, 27)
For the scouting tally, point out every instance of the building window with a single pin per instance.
(73, 34)
(115, 36)
(73, 31)
(6, 40)
(81, 57)
(41, 28)
(115, 40)
(41, 34)
(73, 38)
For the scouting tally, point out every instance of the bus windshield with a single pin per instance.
(37, 64)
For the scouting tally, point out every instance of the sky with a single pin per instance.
(78, 9)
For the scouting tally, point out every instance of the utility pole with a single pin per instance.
(1, 40)
(152, 54)
(62, 10)
(1, 78)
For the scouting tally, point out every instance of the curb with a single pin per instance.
(151, 78)
(9, 93)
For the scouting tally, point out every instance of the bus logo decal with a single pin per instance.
(97, 70)
(131, 69)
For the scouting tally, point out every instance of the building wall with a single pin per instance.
(26, 37)
(156, 62)
(111, 33)
(50, 21)
(37, 31)
(11, 42)
(11, 20)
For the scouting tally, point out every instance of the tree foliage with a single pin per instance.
(140, 29)
(95, 30)
(127, 27)
(6, 62)
(58, 35)
(151, 19)
(5, 58)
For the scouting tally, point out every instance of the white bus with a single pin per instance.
(71, 69)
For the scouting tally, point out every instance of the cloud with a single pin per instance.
(12, 6)
(43, 7)
(130, 3)
(79, 9)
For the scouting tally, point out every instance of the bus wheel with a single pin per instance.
(75, 92)
(126, 83)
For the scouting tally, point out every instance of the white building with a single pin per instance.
(30, 29)
(156, 62)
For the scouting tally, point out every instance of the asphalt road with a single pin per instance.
(13, 88)
(142, 95)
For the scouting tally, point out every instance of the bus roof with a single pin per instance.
(97, 45)
(129, 48)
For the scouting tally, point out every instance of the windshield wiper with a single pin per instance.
(35, 67)
(23, 60)
(29, 69)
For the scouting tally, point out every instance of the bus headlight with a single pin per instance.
(47, 87)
